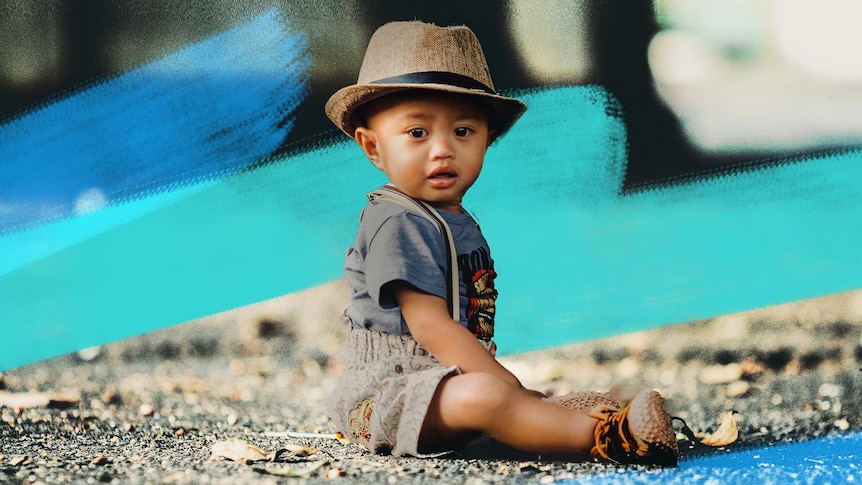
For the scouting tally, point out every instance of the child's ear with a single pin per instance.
(367, 141)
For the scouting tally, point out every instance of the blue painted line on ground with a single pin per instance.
(829, 460)
(210, 109)
(576, 259)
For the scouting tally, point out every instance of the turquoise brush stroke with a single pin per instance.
(577, 260)
(24, 247)
(207, 110)
(829, 460)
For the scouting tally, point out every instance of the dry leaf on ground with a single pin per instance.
(726, 433)
(240, 451)
(244, 452)
(299, 450)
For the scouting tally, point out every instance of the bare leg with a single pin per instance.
(473, 402)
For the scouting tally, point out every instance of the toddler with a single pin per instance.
(420, 374)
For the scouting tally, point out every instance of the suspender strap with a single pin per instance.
(391, 193)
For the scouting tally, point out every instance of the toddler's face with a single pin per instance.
(430, 146)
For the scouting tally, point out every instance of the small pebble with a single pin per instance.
(737, 389)
(628, 368)
(147, 410)
(111, 397)
(99, 460)
(237, 367)
(720, 374)
(334, 473)
(750, 368)
(829, 390)
(89, 354)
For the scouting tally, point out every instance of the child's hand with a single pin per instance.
(428, 319)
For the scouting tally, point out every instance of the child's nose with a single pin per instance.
(441, 147)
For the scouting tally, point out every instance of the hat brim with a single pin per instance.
(342, 105)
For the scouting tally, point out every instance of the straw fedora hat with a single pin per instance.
(418, 55)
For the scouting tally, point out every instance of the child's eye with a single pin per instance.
(462, 131)
(418, 132)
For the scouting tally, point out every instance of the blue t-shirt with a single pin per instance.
(396, 244)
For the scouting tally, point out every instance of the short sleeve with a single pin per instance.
(407, 248)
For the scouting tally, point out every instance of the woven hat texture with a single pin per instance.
(419, 55)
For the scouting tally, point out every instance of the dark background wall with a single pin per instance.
(53, 48)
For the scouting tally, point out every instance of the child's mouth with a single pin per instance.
(442, 173)
(442, 179)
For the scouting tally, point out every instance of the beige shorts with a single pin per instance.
(381, 399)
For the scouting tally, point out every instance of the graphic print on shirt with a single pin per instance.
(477, 272)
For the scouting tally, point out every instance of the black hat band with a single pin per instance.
(437, 77)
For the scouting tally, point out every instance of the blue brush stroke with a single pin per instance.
(829, 460)
(210, 109)
(577, 259)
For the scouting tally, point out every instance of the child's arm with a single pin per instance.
(430, 324)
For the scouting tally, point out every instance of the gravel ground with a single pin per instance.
(150, 408)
